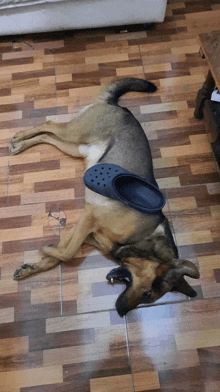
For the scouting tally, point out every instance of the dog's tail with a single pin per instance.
(114, 91)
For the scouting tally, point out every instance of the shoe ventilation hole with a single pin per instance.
(103, 179)
(96, 176)
(95, 169)
(92, 180)
(116, 171)
(98, 183)
(101, 173)
(107, 172)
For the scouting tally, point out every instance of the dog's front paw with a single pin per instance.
(16, 147)
(18, 136)
(24, 271)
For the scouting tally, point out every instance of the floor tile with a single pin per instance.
(59, 330)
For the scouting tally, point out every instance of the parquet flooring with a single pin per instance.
(59, 330)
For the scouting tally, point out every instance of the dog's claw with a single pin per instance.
(112, 280)
(17, 274)
(15, 148)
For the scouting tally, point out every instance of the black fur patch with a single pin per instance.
(157, 284)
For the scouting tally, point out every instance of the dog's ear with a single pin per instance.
(173, 279)
(183, 287)
(179, 268)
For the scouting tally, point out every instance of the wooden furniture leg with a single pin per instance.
(203, 94)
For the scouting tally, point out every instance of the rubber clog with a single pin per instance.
(119, 184)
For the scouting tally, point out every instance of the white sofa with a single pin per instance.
(30, 16)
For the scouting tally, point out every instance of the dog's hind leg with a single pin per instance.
(75, 131)
(48, 127)
(68, 148)
(70, 132)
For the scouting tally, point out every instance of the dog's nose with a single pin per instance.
(123, 304)
(147, 296)
(122, 309)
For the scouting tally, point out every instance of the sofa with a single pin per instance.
(33, 16)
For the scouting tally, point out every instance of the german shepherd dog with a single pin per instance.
(141, 243)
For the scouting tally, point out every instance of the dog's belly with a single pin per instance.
(93, 152)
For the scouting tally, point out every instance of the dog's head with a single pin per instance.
(146, 281)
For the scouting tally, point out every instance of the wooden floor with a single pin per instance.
(59, 331)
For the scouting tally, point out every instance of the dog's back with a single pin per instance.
(129, 146)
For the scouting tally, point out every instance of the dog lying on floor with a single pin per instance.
(141, 243)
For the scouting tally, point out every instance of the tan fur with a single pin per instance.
(104, 222)
(108, 221)
(143, 273)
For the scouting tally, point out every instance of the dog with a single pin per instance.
(141, 243)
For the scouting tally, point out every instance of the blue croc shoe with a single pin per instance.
(116, 183)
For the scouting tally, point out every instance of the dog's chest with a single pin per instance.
(96, 199)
